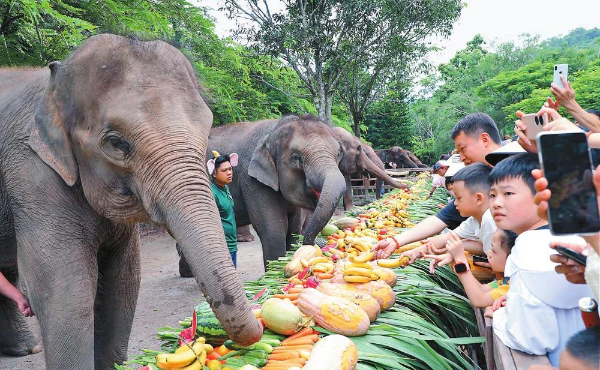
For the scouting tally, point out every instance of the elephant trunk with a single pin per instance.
(332, 189)
(176, 193)
(380, 173)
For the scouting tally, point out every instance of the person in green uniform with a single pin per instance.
(221, 170)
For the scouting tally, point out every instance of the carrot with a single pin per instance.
(307, 339)
(324, 275)
(302, 332)
(296, 289)
(293, 277)
(291, 297)
(284, 356)
(293, 348)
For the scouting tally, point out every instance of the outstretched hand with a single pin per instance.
(24, 306)
(438, 260)
(454, 246)
(384, 248)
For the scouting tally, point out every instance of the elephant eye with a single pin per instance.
(119, 143)
(296, 157)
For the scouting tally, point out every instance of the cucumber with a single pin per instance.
(256, 346)
(271, 342)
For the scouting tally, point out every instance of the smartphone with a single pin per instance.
(477, 258)
(571, 254)
(534, 124)
(565, 159)
(560, 70)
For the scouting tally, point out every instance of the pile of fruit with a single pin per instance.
(334, 307)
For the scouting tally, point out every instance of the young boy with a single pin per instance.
(541, 309)
(480, 295)
(471, 188)
(438, 179)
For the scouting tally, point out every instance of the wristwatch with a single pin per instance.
(461, 267)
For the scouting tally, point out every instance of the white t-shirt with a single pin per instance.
(438, 180)
(592, 273)
(541, 311)
(472, 230)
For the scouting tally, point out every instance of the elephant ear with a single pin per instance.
(262, 166)
(49, 138)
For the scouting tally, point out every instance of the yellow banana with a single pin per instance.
(319, 268)
(315, 260)
(361, 265)
(181, 359)
(338, 252)
(304, 262)
(208, 348)
(357, 272)
(361, 246)
(356, 279)
(375, 277)
(392, 263)
(363, 257)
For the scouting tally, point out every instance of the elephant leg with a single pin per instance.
(347, 199)
(269, 216)
(15, 337)
(118, 281)
(295, 222)
(244, 235)
(61, 285)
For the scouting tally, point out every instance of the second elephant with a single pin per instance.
(284, 165)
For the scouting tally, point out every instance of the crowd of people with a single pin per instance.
(500, 210)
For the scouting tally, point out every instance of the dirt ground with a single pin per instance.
(164, 298)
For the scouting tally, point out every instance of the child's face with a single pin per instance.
(512, 206)
(466, 201)
(497, 255)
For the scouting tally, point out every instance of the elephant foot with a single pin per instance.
(242, 238)
(244, 235)
(184, 268)
(21, 349)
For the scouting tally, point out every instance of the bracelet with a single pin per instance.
(395, 241)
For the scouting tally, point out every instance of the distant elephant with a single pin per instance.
(414, 158)
(359, 159)
(113, 136)
(283, 165)
(244, 234)
(397, 155)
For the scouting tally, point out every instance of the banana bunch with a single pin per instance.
(191, 356)
(318, 264)
(355, 246)
(358, 270)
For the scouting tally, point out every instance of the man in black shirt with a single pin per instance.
(475, 136)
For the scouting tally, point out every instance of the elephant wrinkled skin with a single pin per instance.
(284, 166)
(114, 135)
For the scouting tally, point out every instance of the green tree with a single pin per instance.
(325, 40)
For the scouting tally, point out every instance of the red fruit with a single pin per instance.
(312, 282)
(382, 231)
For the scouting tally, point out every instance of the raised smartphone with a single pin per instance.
(573, 205)
(571, 254)
(560, 70)
(534, 124)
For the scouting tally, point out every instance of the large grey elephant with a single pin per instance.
(114, 135)
(284, 165)
(360, 159)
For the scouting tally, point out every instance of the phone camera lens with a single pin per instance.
(537, 122)
(541, 120)
(555, 68)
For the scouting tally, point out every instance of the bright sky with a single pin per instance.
(499, 21)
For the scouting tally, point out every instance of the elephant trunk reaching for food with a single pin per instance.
(332, 189)
(176, 196)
